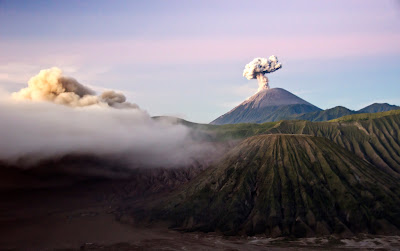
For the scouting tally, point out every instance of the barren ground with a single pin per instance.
(83, 217)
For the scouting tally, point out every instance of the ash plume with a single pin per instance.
(257, 69)
(86, 124)
(116, 100)
(50, 85)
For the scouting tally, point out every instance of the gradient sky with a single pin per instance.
(186, 58)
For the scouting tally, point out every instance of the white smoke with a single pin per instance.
(51, 85)
(86, 124)
(257, 69)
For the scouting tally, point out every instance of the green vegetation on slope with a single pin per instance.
(239, 131)
(375, 140)
(366, 116)
(340, 111)
(373, 137)
(287, 185)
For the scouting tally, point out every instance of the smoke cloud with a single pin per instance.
(88, 124)
(257, 69)
(51, 85)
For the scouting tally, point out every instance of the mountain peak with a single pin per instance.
(378, 107)
(274, 97)
(269, 104)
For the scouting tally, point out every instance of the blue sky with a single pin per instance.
(185, 58)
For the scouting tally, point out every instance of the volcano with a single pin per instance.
(294, 185)
(266, 106)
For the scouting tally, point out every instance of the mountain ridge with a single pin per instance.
(276, 104)
(378, 107)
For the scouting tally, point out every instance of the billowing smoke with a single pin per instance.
(117, 100)
(86, 124)
(259, 67)
(51, 85)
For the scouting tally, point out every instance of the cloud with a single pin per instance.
(50, 85)
(57, 116)
(40, 130)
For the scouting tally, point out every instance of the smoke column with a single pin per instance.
(257, 69)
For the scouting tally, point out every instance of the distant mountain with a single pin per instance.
(328, 114)
(378, 107)
(278, 104)
(367, 116)
(265, 106)
(340, 111)
(290, 185)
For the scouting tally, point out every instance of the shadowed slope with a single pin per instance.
(287, 185)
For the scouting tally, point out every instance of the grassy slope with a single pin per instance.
(340, 111)
(287, 185)
(374, 137)
(375, 140)
(366, 116)
(292, 183)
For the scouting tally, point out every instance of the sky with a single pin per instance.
(186, 58)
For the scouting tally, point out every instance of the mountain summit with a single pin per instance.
(265, 106)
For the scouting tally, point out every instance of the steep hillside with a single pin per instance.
(287, 185)
(375, 140)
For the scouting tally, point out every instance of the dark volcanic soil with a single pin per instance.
(86, 216)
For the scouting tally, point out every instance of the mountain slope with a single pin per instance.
(267, 105)
(366, 116)
(328, 114)
(340, 111)
(375, 140)
(378, 107)
(287, 185)
(374, 137)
